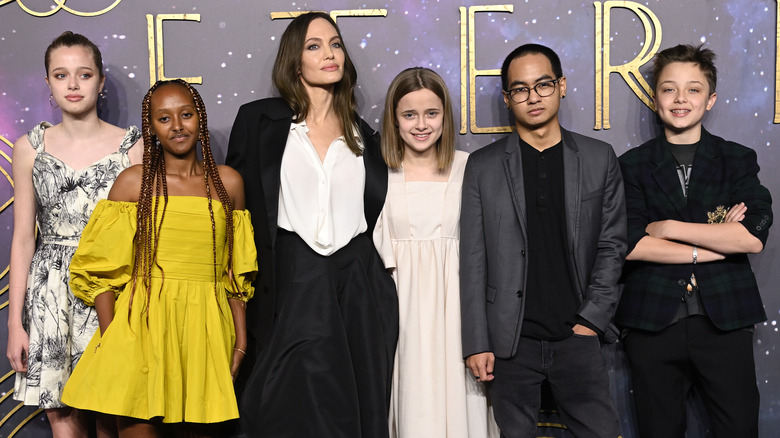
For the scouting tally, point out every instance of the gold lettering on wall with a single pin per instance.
(629, 71)
(154, 31)
(60, 4)
(777, 64)
(334, 14)
(469, 72)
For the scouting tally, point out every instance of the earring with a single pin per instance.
(52, 102)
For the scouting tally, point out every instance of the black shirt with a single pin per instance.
(551, 303)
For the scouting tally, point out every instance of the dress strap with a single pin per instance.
(131, 136)
(35, 136)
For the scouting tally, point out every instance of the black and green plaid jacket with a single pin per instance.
(724, 173)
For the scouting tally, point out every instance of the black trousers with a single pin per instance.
(693, 353)
(327, 368)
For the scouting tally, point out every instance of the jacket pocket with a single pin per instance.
(490, 295)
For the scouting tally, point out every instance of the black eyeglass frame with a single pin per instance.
(515, 91)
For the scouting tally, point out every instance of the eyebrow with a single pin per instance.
(546, 77)
(77, 68)
(318, 39)
(675, 83)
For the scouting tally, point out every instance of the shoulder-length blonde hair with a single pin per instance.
(409, 80)
(286, 79)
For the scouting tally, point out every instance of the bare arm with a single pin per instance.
(725, 238)
(238, 309)
(653, 249)
(104, 304)
(22, 251)
(234, 185)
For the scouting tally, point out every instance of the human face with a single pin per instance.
(74, 80)
(682, 97)
(174, 119)
(536, 112)
(420, 117)
(322, 60)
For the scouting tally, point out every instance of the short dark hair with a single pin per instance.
(527, 49)
(70, 39)
(704, 58)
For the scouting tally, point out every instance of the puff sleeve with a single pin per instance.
(244, 258)
(104, 258)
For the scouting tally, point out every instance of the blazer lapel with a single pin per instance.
(376, 176)
(513, 169)
(571, 184)
(665, 176)
(272, 143)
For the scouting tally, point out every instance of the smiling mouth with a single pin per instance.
(422, 136)
(680, 112)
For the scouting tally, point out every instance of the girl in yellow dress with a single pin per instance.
(168, 266)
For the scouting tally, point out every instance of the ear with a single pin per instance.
(507, 102)
(562, 86)
(711, 101)
(46, 78)
(102, 83)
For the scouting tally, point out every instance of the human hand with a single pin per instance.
(238, 357)
(18, 348)
(736, 213)
(582, 330)
(481, 366)
(659, 229)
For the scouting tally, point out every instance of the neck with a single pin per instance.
(320, 104)
(688, 136)
(542, 137)
(420, 159)
(81, 126)
(183, 167)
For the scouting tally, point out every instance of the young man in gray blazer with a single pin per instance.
(543, 239)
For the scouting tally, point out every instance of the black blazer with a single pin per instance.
(255, 150)
(724, 173)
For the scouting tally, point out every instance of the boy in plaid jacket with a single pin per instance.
(696, 208)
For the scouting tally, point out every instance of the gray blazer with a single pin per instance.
(493, 240)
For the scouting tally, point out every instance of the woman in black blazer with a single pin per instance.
(325, 318)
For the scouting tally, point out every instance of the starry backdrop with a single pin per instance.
(233, 46)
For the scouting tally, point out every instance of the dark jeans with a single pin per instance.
(693, 352)
(575, 370)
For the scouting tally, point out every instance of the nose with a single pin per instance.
(533, 96)
(679, 96)
(176, 124)
(420, 125)
(73, 83)
(328, 52)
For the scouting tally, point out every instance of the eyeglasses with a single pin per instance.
(543, 89)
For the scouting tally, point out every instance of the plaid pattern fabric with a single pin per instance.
(724, 173)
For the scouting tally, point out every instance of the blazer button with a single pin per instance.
(681, 282)
(519, 294)
(522, 253)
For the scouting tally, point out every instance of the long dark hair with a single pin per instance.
(286, 80)
(153, 184)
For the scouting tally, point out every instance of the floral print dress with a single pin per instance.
(58, 324)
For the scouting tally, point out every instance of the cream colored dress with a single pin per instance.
(418, 234)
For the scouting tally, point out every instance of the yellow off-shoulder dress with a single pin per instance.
(169, 360)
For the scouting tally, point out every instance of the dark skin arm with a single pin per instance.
(234, 185)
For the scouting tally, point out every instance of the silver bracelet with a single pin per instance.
(695, 254)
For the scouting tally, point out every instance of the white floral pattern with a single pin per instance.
(60, 325)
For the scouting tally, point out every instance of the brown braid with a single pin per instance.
(153, 182)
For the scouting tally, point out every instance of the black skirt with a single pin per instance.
(326, 370)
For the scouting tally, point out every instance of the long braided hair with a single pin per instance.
(153, 184)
